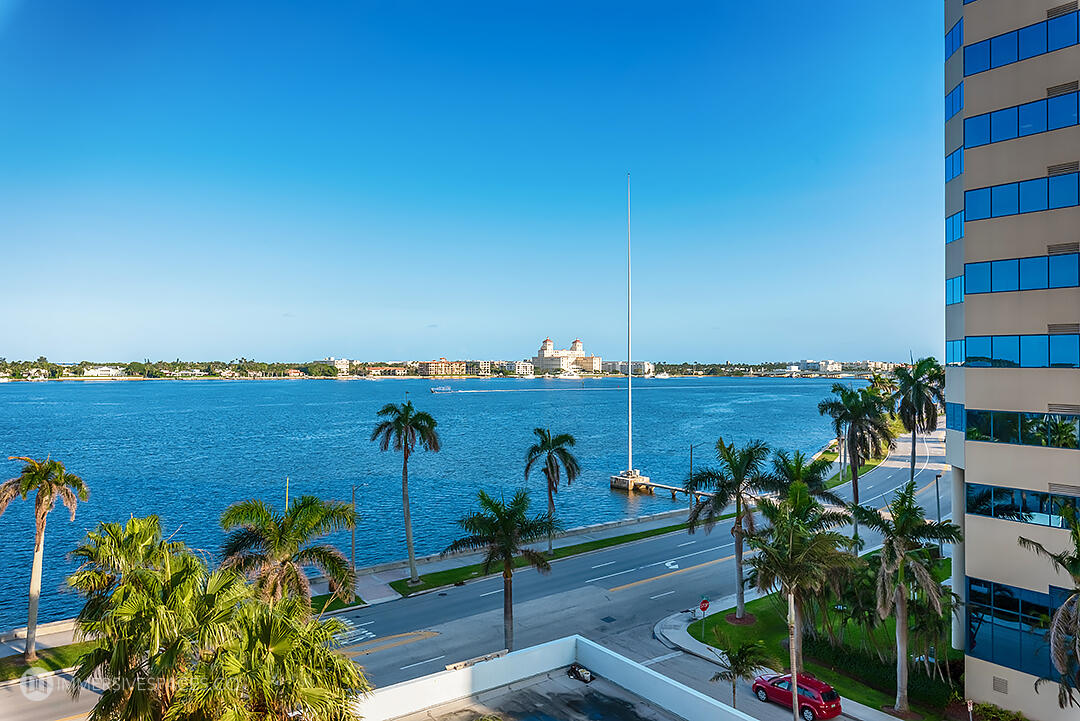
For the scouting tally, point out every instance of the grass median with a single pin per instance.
(452, 576)
(898, 430)
(49, 659)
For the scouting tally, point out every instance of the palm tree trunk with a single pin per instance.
(414, 578)
(30, 651)
(901, 649)
(733, 681)
(792, 654)
(737, 531)
(854, 462)
(913, 429)
(551, 511)
(508, 609)
(800, 624)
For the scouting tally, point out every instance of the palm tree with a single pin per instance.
(799, 554)
(741, 662)
(403, 429)
(737, 480)
(920, 389)
(862, 412)
(884, 386)
(554, 451)
(905, 531)
(1065, 622)
(274, 548)
(49, 481)
(799, 468)
(503, 531)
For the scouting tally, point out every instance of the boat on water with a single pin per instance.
(441, 389)
(568, 376)
(662, 375)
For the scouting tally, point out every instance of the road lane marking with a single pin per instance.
(688, 555)
(491, 593)
(421, 663)
(686, 544)
(671, 573)
(671, 565)
(617, 573)
(660, 595)
(399, 639)
(658, 659)
(601, 565)
(365, 623)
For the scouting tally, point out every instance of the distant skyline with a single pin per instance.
(384, 180)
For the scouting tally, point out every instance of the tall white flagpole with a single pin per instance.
(629, 354)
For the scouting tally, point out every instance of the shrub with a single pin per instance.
(870, 670)
(990, 712)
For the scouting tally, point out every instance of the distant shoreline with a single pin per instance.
(95, 379)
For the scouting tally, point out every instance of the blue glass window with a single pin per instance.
(977, 278)
(1004, 200)
(1063, 190)
(1034, 351)
(954, 101)
(977, 130)
(954, 290)
(1033, 274)
(954, 39)
(977, 58)
(1003, 125)
(1006, 427)
(1061, 111)
(977, 425)
(1064, 351)
(1005, 275)
(1003, 49)
(1061, 32)
(1064, 270)
(1033, 195)
(977, 351)
(954, 164)
(977, 204)
(954, 416)
(1032, 118)
(1006, 351)
(1032, 40)
(954, 227)
(954, 352)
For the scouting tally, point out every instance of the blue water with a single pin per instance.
(187, 449)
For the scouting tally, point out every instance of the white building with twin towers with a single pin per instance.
(548, 358)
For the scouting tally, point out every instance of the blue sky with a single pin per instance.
(407, 180)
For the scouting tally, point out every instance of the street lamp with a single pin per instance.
(937, 492)
(692, 447)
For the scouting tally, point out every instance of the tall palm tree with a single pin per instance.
(503, 531)
(884, 386)
(905, 531)
(863, 413)
(1065, 622)
(798, 554)
(403, 429)
(557, 457)
(737, 480)
(742, 662)
(274, 548)
(920, 389)
(800, 468)
(49, 481)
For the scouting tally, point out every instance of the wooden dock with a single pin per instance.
(634, 482)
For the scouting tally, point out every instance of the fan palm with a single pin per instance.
(903, 570)
(863, 413)
(503, 531)
(274, 548)
(402, 429)
(884, 386)
(920, 389)
(800, 468)
(557, 457)
(49, 481)
(737, 479)
(1065, 621)
(798, 553)
(742, 662)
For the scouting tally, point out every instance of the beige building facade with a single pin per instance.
(441, 367)
(574, 358)
(1012, 331)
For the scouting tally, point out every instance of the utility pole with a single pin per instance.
(354, 530)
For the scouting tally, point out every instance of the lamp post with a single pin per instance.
(354, 529)
(937, 492)
(693, 497)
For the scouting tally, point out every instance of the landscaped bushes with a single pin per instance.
(870, 670)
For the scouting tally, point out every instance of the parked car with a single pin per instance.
(817, 699)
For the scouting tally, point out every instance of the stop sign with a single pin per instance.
(704, 605)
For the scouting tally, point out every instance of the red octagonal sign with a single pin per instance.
(704, 605)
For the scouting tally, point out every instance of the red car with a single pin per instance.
(817, 699)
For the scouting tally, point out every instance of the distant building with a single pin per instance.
(822, 366)
(574, 358)
(387, 370)
(478, 368)
(103, 372)
(518, 368)
(441, 367)
(294, 373)
(641, 368)
(341, 364)
(875, 366)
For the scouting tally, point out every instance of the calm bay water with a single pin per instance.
(185, 450)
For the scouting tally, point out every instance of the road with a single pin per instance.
(613, 596)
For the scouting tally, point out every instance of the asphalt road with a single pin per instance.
(613, 596)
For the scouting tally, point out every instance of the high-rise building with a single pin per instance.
(1012, 306)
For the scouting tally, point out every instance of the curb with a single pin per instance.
(48, 674)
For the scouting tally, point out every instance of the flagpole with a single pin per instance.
(629, 354)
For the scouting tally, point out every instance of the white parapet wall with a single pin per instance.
(436, 689)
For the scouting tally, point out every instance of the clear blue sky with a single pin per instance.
(394, 180)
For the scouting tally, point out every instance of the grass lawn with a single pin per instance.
(895, 425)
(52, 659)
(451, 576)
(328, 602)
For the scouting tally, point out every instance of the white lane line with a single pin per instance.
(489, 593)
(610, 575)
(686, 544)
(660, 595)
(421, 663)
(365, 623)
(688, 555)
(601, 565)
(658, 659)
